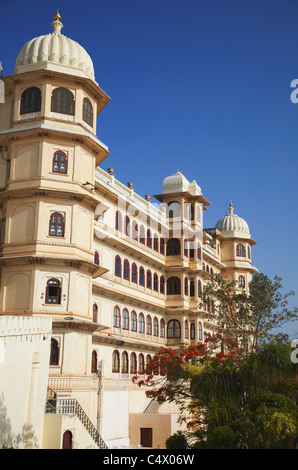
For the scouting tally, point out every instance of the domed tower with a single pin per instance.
(236, 247)
(49, 152)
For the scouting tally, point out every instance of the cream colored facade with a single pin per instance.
(70, 252)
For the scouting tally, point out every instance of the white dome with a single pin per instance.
(175, 183)
(55, 52)
(233, 225)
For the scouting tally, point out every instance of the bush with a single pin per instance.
(177, 441)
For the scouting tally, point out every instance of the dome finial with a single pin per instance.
(57, 25)
(231, 207)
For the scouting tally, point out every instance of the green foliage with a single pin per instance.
(222, 437)
(177, 441)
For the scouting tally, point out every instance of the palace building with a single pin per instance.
(95, 279)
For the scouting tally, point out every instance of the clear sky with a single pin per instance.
(195, 85)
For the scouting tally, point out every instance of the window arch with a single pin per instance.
(241, 281)
(125, 319)
(94, 362)
(173, 209)
(148, 325)
(148, 360)
(186, 333)
(88, 112)
(186, 248)
(126, 270)
(162, 285)
(173, 247)
(133, 321)
(116, 361)
(192, 288)
(142, 235)
(162, 246)
(149, 279)
(141, 363)
(59, 162)
(185, 286)
(117, 266)
(155, 282)
(240, 250)
(118, 221)
(135, 230)
(155, 242)
(174, 329)
(127, 226)
(149, 238)
(141, 323)
(192, 331)
(199, 251)
(31, 100)
(199, 287)
(134, 273)
(142, 276)
(162, 328)
(133, 363)
(173, 286)
(56, 226)
(94, 313)
(54, 354)
(96, 257)
(63, 101)
(124, 363)
(67, 440)
(155, 327)
(116, 317)
(53, 292)
(200, 331)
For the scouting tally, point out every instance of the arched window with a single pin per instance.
(134, 230)
(62, 101)
(126, 270)
(53, 292)
(149, 279)
(54, 354)
(199, 252)
(148, 360)
(155, 282)
(173, 286)
(141, 323)
(133, 363)
(192, 288)
(173, 209)
(87, 111)
(94, 313)
(162, 246)
(116, 317)
(174, 329)
(31, 101)
(200, 331)
(124, 363)
(155, 242)
(59, 162)
(241, 281)
(186, 248)
(67, 440)
(186, 333)
(162, 328)
(185, 286)
(191, 249)
(94, 362)
(173, 247)
(141, 364)
(191, 213)
(148, 325)
(212, 274)
(149, 238)
(142, 235)
(199, 287)
(155, 326)
(125, 319)
(115, 361)
(192, 331)
(56, 226)
(96, 257)
(162, 285)
(134, 273)
(117, 266)
(142, 276)
(133, 321)
(127, 226)
(118, 221)
(240, 250)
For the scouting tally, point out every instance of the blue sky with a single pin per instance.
(195, 85)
